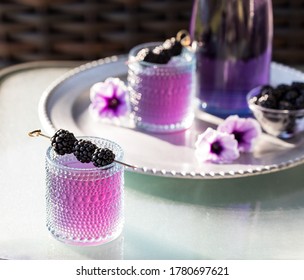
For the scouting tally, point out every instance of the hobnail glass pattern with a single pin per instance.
(161, 95)
(84, 203)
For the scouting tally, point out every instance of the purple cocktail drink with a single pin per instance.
(234, 46)
(84, 202)
(161, 94)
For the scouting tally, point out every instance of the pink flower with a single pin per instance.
(109, 99)
(245, 131)
(216, 146)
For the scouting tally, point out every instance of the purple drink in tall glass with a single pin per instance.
(234, 47)
(84, 202)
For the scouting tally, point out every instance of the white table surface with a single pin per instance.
(258, 217)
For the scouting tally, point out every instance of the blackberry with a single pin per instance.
(283, 87)
(147, 56)
(291, 95)
(150, 57)
(279, 93)
(141, 55)
(298, 85)
(83, 150)
(267, 96)
(63, 142)
(267, 101)
(168, 43)
(286, 105)
(162, 55)
(266, 90)
(176, 48)
(102, 157)
(158, 56)
(173, 46)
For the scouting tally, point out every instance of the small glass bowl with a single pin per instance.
(284, 124)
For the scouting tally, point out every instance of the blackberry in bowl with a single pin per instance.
(280, 109)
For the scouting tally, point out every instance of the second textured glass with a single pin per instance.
(84, 203)
(161, 94)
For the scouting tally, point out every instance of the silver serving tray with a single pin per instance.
(64, 104)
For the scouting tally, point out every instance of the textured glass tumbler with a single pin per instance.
(84, 203)
(161, 95)
(234, 47)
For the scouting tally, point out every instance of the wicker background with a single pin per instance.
(33, 30)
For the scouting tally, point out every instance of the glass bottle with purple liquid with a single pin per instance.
(233, 50)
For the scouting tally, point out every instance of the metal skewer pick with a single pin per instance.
(37, 133)
(183, 37)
